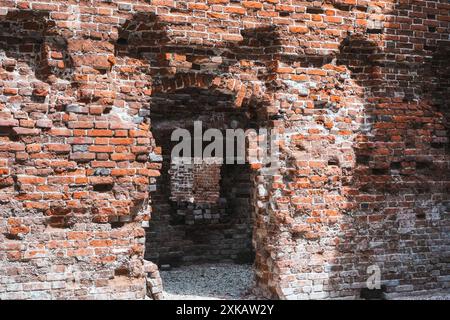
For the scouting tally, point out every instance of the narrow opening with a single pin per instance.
(373, 294)
(121, 272)
(117, 224)
(202, 222)
(103, 187)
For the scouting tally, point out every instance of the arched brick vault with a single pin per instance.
(327, 215)
(228, 85)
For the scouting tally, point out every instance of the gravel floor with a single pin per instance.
(208, 282)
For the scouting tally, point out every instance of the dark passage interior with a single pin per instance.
(200, 212)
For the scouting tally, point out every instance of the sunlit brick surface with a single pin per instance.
(357, 89)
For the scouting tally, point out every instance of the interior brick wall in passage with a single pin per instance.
(195, 182)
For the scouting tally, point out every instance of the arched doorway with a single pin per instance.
(202, 213)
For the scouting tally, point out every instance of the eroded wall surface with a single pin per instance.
(356, 89)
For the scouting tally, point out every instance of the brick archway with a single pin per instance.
(233, 98)
(227, 84)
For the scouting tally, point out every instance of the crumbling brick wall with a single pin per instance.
(74, 153)
(356, 89)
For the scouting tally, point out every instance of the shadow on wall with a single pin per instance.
(22, 38)
(22, 49)
(400, 186)
(395, 212)
(30, 37)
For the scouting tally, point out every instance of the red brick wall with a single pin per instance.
(199, 183)
(357, 89)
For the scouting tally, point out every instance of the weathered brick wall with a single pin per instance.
(195, 182)
(74, 161)
(357, 89)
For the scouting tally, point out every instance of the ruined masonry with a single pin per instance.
(90, 91)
